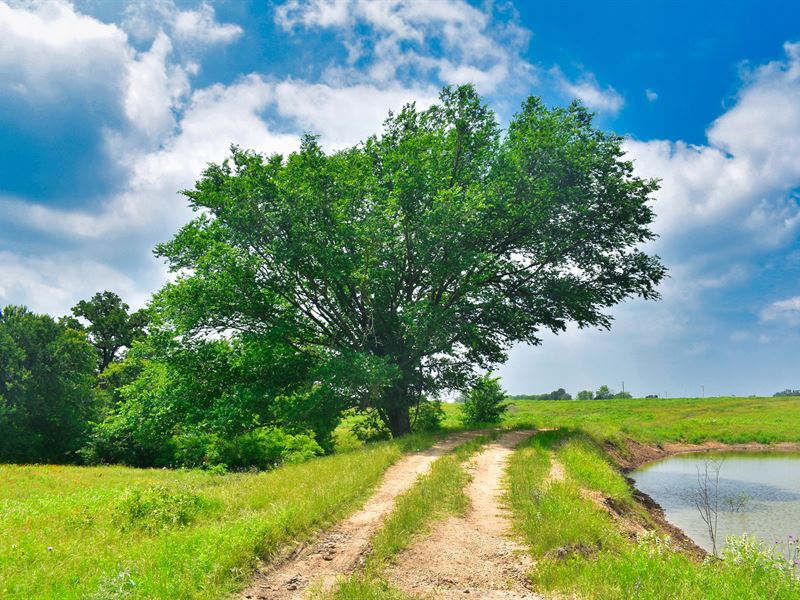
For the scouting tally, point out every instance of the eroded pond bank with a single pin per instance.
(755, 492)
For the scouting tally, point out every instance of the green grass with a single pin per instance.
(654, 421)
(115, 532)
(579, 549)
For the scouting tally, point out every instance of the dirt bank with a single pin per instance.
(635, 454)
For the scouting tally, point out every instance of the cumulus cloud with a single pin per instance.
(54, 283)
(587, 89)
(738, 188)
(155, 89)
(198, 26)
(48, 49)
(449, 40)
(650, 95)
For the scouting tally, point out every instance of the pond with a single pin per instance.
(758, 493)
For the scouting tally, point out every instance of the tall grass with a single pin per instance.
(114, 532)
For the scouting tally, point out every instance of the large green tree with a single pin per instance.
(110, 326)
(46, 377)
(423, 253)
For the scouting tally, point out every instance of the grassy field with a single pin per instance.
(653, 421)
(101, 533)
(112, 532)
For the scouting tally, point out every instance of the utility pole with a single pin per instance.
(623, 387)
(703, 388)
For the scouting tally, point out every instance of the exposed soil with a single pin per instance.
(635, 454)
(339, 551)
(474, 554)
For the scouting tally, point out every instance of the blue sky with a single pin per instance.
(108, 108)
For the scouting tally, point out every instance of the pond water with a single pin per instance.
(758, 492)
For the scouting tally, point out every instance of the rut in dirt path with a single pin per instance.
(339, 550)
(474, 554)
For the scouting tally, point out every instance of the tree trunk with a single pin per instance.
(399, 420)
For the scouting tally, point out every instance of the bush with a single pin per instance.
(157, 508)
(429, 416)
(262, 448)
(485, 402)
(368, 426)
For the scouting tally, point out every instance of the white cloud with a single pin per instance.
(588, 90)
(650, 95)
(145, 18)
(201, 26)
(54, 283)
(154, 89)
(344, 115)
(737, 187)
(48, 49)
(783, 312)
(409, 40)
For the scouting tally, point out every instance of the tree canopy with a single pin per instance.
(420, 255)
(46, 378)
(110, 327)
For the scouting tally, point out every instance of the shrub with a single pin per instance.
(262, 448)
(485, 402)
(367, 426)
(428, 416)
(158, 507)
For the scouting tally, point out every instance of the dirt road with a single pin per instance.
(475, 554)
(339, 551)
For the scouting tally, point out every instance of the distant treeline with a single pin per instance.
(602, 393)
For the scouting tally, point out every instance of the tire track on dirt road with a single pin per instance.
(340, 550)
(474, 554)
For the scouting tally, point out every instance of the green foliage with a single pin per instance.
(367, 426)
(428, 416)
(485, 402)
(585, 395)
(239, 403)
(787, 393)
(46, 377)
(158, 507)
(262, 448)
(110, 327)
(603, 393)
(559, 394)
(412, 259)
